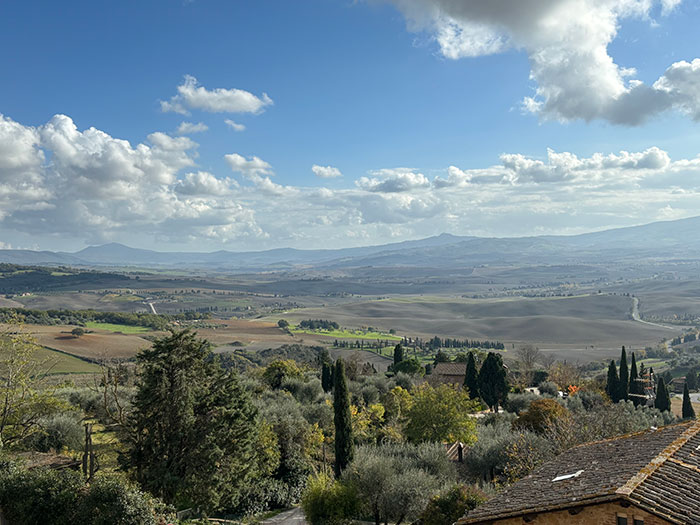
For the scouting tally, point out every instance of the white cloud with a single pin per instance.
(567, 44)
(19, 150)
(235, 126)
(57, 180)
(393, 181)
(190, 95)
(248, 167)
(187, 128)
(203, 183)
(326, 172)
(681, 85)
(96, 186)
(669, 5)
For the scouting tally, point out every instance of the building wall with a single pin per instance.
(602, 514)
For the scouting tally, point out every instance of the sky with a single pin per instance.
(254, 124)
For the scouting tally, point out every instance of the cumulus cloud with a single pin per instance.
(190, 95)
(248, 167)
(95, 186)
(394, 180)
(187, 128)
(235, 126)
(567, 45)
(564, 167)
(204, 183)
(58, 180)
(326, 172)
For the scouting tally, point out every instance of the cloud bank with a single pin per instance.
(89, 186)
(567, 45)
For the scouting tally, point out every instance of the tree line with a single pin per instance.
(318, 324)
(642, 385)
(16, 279)
(80, 317)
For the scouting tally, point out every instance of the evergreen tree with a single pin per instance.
(663, 400)
(623, 385)
(326, 376)
(492, 384)
(441, 357)
(688, 410)
(471, 378)
(612, 386)
(192, 436)
(691, 379)
(344, 447)
(636, 387)
(398, 354)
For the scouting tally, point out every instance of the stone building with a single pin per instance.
(646, 478)
(448, 374)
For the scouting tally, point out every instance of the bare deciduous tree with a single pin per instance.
(528, 356)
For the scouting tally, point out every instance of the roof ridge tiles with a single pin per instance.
(659, 459)
(629, 435)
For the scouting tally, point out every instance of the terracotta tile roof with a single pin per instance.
(450, 369)
(658, 470)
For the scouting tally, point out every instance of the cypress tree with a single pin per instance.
(635, 385)
(663, 400)
(688, 410)
(623, 385)
(471, 378)
(493, 385)
(344, 448)
(612, 386)
(326, 376)
(398, 354)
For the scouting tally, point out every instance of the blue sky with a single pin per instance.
(419, 104)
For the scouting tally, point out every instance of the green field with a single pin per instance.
(60, 363)
(123, 328)
(349, 334)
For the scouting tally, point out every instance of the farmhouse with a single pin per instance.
(677, 385)
(448, 374)
(646, 478)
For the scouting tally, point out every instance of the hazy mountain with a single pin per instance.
(39, 258)
(670, 239)
(118, 254)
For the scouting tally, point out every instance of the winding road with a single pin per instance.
(636, 316)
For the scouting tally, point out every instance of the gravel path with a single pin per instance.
(288, 517)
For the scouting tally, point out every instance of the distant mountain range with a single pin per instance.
(678, 239)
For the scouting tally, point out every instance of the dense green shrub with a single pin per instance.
(329, 502)
(541, 415)
(517, 403)
(549, 388)
(110, 501)
(304, 391)
(28, 497)
(452, 504)
(57, 432)
(410, 366)
(395, 482)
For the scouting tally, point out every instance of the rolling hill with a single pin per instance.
(660, 240)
